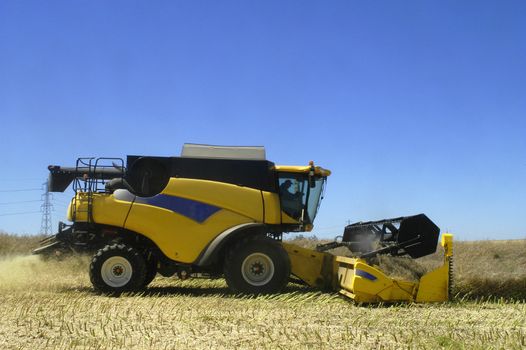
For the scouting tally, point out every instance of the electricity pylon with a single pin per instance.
(46, 208)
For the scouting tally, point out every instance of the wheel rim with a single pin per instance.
(257, 269)
(116, 271)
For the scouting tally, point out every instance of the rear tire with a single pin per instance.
(117, 268)
(257, 266)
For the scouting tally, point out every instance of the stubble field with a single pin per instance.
(50, 305)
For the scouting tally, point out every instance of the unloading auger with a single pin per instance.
(221, 212)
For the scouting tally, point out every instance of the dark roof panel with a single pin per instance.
(257, 174)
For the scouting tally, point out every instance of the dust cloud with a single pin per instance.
(31, 272)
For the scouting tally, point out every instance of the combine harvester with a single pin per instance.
(222, 211)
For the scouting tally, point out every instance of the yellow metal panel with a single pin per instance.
(364, 287)
(347, 279)
(180, 238)
(302, 169)
(433, 285)
(272, 208)
(317, 269)
(346, 276)
(106, 209)
(447, 244)
(293, 168)
(80, 203)
(285, 219)
(399, 291)
(369, 284)
(241, 200)
(69, 213)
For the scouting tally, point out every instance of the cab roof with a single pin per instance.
(302, 169)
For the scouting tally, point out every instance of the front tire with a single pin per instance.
(117, 268)
(151, 270)
(257, 266)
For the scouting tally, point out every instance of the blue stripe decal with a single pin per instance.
(364, 274)
(192, 209)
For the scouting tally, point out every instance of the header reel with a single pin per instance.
(416, 236)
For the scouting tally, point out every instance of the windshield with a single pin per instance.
(315, 196)
(298, 199)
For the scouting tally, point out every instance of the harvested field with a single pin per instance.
(50, 304)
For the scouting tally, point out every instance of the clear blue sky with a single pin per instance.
(416, 106)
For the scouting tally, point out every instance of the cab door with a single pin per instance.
(293, 189)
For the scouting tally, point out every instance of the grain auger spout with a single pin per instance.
(355, 278)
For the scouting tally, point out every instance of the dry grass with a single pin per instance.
(50, 305)
(490, 268)
(17, 244)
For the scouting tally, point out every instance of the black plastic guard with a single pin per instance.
(421, 229)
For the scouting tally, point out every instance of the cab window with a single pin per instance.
(292, 192)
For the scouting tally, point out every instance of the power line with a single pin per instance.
(20, 179)
(21, 213)
(60, 201)
(22, 190)
(17, 202)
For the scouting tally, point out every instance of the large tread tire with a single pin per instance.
(117, 268)
(151, 270)
(257, 266)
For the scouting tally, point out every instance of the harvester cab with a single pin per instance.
(222, 211)
(301, 191)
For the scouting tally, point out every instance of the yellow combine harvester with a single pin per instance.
(222, 211)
